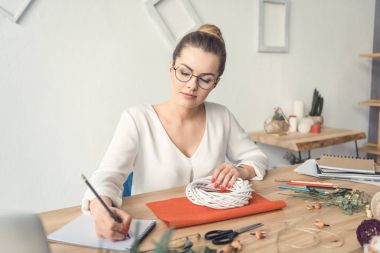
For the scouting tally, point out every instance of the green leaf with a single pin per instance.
(163, 245)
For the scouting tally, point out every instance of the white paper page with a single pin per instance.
(309, 167)
(81, 231)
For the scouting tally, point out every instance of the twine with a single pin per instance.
(336, 243)
(315, 242)
(202, 192)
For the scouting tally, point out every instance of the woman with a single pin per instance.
(182, 139)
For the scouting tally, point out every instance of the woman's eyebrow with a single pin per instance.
(187, 66)
(201, 74)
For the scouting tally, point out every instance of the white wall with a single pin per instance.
(70, 67)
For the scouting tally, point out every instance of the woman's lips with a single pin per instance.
(187, 95)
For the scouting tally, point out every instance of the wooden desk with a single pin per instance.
(295, 212)
(299, 142)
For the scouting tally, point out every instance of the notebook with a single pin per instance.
(352, 176)
(310, 168)
(343, 164)
(81, 231)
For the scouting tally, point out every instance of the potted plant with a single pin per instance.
(316, 108)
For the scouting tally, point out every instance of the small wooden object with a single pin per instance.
(373, 148)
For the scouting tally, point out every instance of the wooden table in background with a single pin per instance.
(295, 215)
(300, 142)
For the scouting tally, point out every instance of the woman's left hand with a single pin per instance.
(225, 175)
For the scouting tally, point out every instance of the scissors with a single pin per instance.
(218, 237)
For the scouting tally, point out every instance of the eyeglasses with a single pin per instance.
(204, 81)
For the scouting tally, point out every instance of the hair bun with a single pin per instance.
(211, 29)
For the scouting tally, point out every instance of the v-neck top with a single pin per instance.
(141, 145)
(204, 136)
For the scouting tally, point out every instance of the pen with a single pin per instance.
(307, 183)
(299, 189)
(302, 182)
(330, 187)
(113, 215)
(316, 184)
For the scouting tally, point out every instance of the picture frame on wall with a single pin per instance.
(14, 9)
(172, 27)
(273, 26)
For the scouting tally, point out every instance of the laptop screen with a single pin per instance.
(22, 232)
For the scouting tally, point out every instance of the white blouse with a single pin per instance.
(141, 144)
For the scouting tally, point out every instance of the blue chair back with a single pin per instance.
(128, 185)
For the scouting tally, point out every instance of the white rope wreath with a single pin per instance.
(202, 192)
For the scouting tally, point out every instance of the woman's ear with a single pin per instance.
(171, 66)
(216, 82)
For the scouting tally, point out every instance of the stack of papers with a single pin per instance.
(310, 168)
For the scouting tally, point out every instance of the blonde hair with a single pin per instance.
(209, 38)
(211, 29)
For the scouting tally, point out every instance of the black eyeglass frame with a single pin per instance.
(216, 80)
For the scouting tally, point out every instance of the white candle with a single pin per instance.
(292, 123)
(298, 109)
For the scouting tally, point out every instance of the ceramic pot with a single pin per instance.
(317, 119)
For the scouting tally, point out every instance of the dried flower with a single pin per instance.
(349, 201)
(320, 224)
(314, 205)
(236, 245)
(317, 205)
(368, 212)
(260, 234)
(226, 249)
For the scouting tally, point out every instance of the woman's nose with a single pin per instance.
(192, 83)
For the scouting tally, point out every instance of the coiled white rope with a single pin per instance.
(202, 192)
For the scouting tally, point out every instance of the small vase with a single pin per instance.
(304, 125)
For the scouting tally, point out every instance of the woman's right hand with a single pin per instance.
(105, 225)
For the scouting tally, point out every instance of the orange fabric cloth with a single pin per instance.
(180, 212)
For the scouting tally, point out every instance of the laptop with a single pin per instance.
(22, 232)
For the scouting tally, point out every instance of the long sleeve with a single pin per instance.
(118, 161)
(241, 150)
